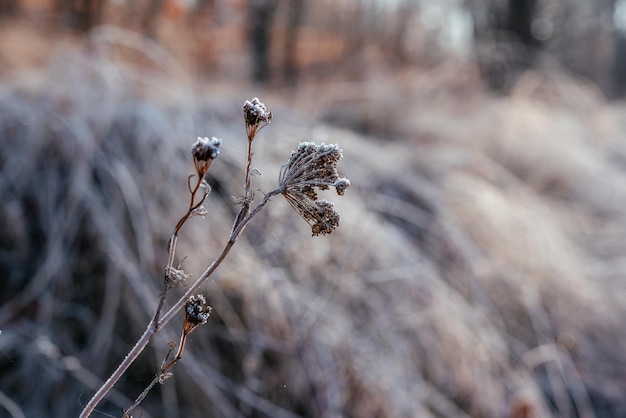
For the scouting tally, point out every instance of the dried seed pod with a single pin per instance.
(309, 168)
(204, 151)
(196, 312)
(256, 116)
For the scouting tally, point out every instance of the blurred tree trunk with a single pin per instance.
(515, 35)
(260, 19)
(148, 20)
(8, 7)
(519, 21)
(505, 44)
(294, 22)
(406, 11)
(81, 15)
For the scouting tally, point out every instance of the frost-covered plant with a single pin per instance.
(309, 169)
(313, 167)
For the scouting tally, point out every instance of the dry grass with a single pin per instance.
(477, 271)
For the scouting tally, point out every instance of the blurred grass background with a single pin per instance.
(479, 267)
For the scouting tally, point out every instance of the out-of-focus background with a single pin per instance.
(479, 268)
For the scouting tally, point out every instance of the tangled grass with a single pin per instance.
(477, 271)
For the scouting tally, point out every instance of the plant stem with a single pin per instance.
(160, 377)
(248, 183)
(248, 196)
(142, 396)
(121, 369)
(172, 246)
(156, 324)
(215, 264)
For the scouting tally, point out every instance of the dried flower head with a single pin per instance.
(204, 151)
(256, 116)
(309, 168)
(196, 312)
(175, 276)
(341, 185)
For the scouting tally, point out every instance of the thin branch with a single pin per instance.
(155, 326)
(172, 245)
(121, 369)
(162, 376)
(207, 273)
(248, 184)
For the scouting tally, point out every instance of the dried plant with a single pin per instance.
(256, 116)
(313, 166)
(197, 312)
(310, 167)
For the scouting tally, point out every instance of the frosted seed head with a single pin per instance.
(175, 276)
(206, 149)
(256, 116)
(196, 312)
(341, 185)
(326, 219)
(311, 168)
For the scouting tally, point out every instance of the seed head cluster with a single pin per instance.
(256, 116)
(204, 151)
(175, 276)
(197, 312)
(313, 167)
